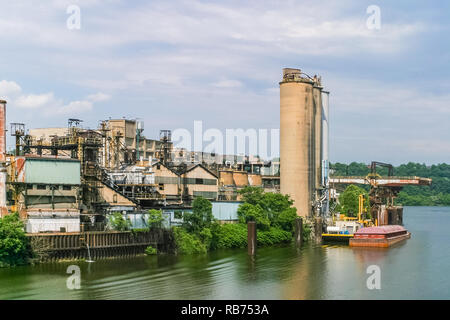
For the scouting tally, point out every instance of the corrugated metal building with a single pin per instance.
(47, 191)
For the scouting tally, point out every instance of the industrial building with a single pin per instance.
(72, 179)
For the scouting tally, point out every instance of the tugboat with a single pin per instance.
(343, 228)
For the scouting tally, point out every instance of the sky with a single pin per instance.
(170, 63)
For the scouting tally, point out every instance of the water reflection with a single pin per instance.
(414, 269)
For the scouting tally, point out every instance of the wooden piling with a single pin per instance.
(251, 237)
(318, 230)
(298, 231)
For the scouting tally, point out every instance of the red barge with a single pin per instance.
(381, 237)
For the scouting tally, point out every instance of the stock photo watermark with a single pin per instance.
(374, 280)
(261, 142)
(73, 22)
(373, 22)
(73, 282)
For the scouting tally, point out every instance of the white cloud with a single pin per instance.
(8, 88)
(47, 102)
(98, 97)
(33, 101)
(75, 107)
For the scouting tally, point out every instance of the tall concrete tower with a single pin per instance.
(296, 139)
(301, 140)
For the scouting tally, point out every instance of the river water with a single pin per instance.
(415, 269)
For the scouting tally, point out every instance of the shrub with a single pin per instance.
(14, 246)
(187, 243)
(201, 216)
(151, 251)
(119, 223)
(229, 236)
(286, 219)
(306, 234)
(235, 236)
(273, 236)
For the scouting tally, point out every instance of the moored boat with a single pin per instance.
(381, 237)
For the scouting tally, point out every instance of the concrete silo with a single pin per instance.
(317, 134)
(3, 207)
(296, 139)
(301, 141)
(325, 149)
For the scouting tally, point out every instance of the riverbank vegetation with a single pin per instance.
(438, 194)
(273, 213)
(14, 245)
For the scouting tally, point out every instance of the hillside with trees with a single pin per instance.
(438, 194)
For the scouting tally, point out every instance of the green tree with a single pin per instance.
(252, 195)
(349, 200)
(155, 218)
(249, 212)
(267, 209)
(14, 248)
(201, 216)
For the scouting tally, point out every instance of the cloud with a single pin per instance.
(75, 107)
(47, 102)
(33, 101)
(211, 60)
(98, 97)
(9, 88)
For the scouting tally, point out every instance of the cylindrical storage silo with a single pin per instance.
(226, 178)
(240, 178)
(325, 150)
(325, 135)
(255, 179)
(317, 108)
(3, 208)
(296, 114)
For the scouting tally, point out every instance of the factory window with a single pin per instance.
(29, 186)
(66, 187)
(198, 181)
(161, 186)
(41, 187)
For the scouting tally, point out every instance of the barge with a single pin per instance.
(380, 237)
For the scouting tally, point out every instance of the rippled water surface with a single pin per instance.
(415, 269)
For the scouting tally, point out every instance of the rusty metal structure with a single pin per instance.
(383, 191)
(165, 136)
